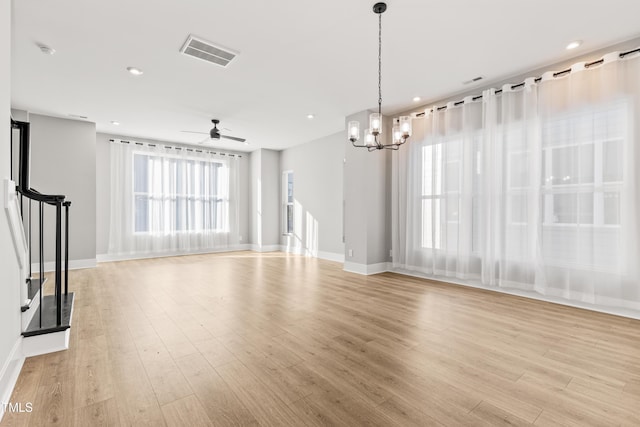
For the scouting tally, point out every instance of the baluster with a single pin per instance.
(30, 244)
(41, 233)
(58, 263)
(66, 247)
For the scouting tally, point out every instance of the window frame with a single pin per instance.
(288, 203)
(216, 198)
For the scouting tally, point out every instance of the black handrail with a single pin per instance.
(25, 148)
(32, 194)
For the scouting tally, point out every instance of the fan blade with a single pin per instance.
(204, 140)
(191, 131)
(233, 138)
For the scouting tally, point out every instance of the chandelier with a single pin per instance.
(401, 126)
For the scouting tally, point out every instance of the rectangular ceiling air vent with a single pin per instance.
(207, 51)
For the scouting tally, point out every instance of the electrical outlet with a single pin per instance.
(240, 238)
(351, 252)
(390, 253)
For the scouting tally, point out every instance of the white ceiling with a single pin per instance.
(296, 57)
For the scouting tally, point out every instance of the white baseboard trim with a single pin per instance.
(129, 257)
(9, 374)
(329, 256)
(74, 264)
(366, 269)
(623, 312)
(265, 248)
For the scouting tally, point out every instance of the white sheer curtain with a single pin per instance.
(167, 200)
(533, 188)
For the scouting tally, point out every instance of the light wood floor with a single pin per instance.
(273, 339)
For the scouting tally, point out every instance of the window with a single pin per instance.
(573, 178)
(179, 195)
(582, 180)
(287, 206)
(443, 201)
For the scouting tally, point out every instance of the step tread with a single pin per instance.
(48, 308)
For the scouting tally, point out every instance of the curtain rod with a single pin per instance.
(537, 79)
(173, 147)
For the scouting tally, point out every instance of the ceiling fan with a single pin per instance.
(215, 133)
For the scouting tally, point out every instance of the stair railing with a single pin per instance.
(55, 200)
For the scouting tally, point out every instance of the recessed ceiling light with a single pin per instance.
(574, 44)
(135, 71)
(416, 99)
(48, 50)
(115, 123)
(246, 143)
(310, 116)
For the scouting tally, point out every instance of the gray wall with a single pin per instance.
(63, 161)
(103, 190)
(270, 197)
(9, 272)
(367, 215)
(255, 162)
(318, 192)
(265, 198)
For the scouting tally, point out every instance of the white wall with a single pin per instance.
(318, 193)
(10, 354)
(103, 190)
(63, 161)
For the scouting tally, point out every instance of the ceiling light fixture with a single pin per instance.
(115, 123)
(401, 127)
(416, 99)
(310, 116)
(574, 44)
(135, 71)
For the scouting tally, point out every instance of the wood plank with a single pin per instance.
(256, 397)
(186, 412)
(218, 400)
(92, 378)
(495, 416)
(103, 413)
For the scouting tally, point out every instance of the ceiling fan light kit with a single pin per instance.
(215, 133)
(401, 130)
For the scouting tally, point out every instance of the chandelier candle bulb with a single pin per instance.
(405, 126)
(354, 131)
(375, 123)
(397, 134)
(368, 138)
